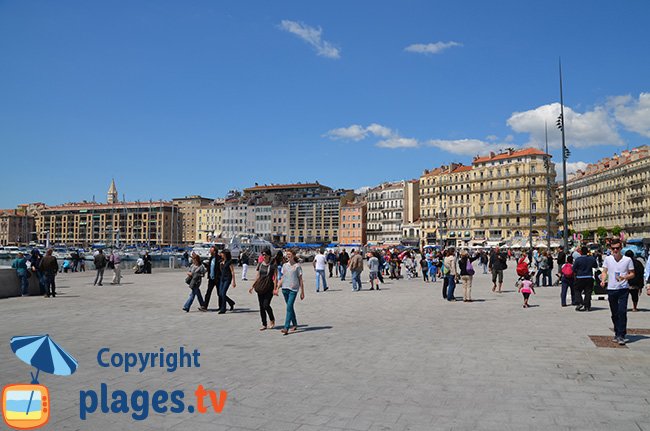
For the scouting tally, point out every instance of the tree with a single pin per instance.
(586, 235)
(601, 232)
(616, 230)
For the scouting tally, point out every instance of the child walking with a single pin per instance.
(526, 287)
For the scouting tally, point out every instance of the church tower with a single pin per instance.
(112, 193)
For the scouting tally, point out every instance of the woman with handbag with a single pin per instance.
(266, 286)
(193, 279)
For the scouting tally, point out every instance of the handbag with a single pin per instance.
(188, 280)
(469, 268)
(265, 282)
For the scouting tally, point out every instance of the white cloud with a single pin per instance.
(312, 36)
(353, 132)
(633, 114)
(491, 138)
(431, 48)
(583, 130)
(362, 190)
(571, 168)
(390, 138)
(398, 142)
(466, 147)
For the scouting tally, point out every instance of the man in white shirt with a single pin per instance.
(320, 264)
(617, 270)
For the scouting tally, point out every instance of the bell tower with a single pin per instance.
(112, 193)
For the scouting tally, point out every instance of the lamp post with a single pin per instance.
(565, 156)
(547, 165)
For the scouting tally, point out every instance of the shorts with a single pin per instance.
(374, 275)
(526, 294)
(497, 273)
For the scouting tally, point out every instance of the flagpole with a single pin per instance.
(565, 227)
(547, 165)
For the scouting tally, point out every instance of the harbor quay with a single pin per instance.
(401, 358)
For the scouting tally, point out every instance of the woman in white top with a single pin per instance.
(291, 282)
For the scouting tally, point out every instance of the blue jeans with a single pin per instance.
(342, 271)
(24, 285)
(290, 298)
(223, 298)
(41, 281)
(196, 292)
(432, 273)
(451, 285)
(356, 280)
(567, 283)
(618, 307)
(320, 273)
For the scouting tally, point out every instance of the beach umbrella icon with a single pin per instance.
(41, 352)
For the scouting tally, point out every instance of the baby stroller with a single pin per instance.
(523, 270)
(411, 269)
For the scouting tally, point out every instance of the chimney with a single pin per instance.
(491, 154)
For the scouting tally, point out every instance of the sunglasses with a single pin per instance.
(616, 248)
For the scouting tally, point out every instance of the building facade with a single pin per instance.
(209, 222)
(352, 226)
(614, 192)
(391, 205)
(133, 223)
(187, 208)
(494, 200)
(16, 227)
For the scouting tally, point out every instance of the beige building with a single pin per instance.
(390, 206)
(187, 207)
(615, 191)
(16, 227)
(352, 226)
(493, 200)
(509, 195)
(445, 205)
(86, 223)
(209, 221)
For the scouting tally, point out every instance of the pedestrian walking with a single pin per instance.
(20, 265)
(424, 266)
(373, 271)
(291, 283)
(583, 270)
(227, 278)
(526, 287)
(100, 265)
(497, 264)
(568, 281)
(561, 260)
(356, 268)
(331, 261)
(343, 259)
(265, 285)
(49, 268)
(636, 284)
(467, 273)
(618, 270)
(320, 264)
(542, 265)
(194, 276)
(214, 275)
(451, 273)
(147, 262)
(243, 261)
(115, 260)
(35, 263)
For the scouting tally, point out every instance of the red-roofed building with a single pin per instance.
(16, 227)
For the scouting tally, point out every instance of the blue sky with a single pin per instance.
(173, 98)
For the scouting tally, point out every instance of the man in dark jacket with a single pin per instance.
(100, 265)
(49, 268)
(498, 263)
(343, 259)
(583, 268)
(561, 260)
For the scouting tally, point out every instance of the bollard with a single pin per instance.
(171, 262)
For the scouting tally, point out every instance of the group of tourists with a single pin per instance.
(44, 268)
(281, 272)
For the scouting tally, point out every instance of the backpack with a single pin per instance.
(522, 267)
(567, 270)
(469, 268)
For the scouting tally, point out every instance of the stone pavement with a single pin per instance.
(397, 359)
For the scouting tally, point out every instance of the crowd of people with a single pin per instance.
(579, 273)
